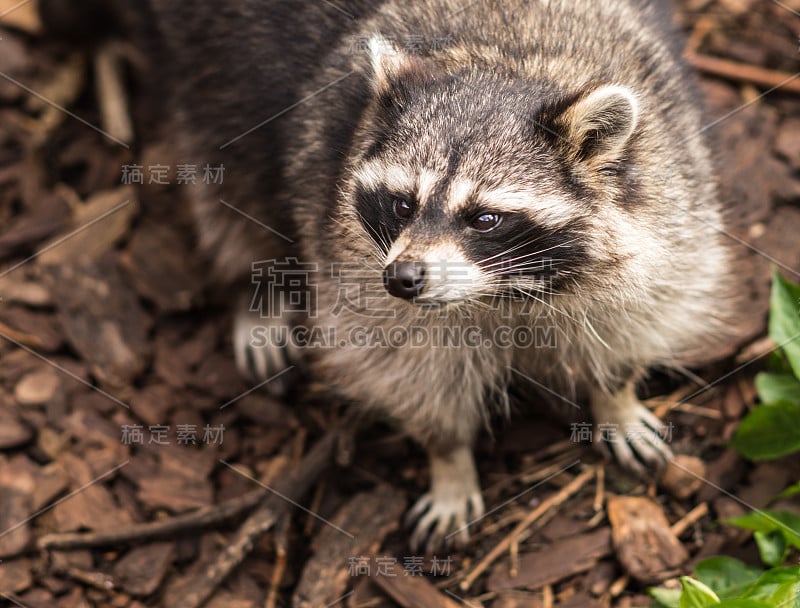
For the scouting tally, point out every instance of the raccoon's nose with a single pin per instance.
(404, 279)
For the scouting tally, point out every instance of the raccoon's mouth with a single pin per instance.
(434, 304)
(422, 285)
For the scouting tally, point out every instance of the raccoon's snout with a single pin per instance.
(404, 279)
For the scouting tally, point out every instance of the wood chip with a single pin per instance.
(646, 547)
(102, 318)
(683, 476)
(35, 226)
(560, 560)
(38, 387)
(175, 492)
(50, 481)
(21, 15)
(518, 599)
(223, 599)
(37, 331)
(16, 498)
(92, 507)
(361, 525)
(172, 279)
(414, 592)
(95, 227)
(15, 575)
(21, 291)
(142, 569)
(13, 431)
(788, 141)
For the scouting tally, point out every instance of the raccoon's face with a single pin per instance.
(471, 188)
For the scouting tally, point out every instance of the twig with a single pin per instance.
(550, 503)
(742, 72)
(140, 533)
(514, 558)
(281, 552)
(547, 596)
(600, 493)
(111, 94)
(618, 586)
(691, 518)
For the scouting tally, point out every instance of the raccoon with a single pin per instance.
(436, 166)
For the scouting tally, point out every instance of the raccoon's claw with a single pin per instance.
(259, 355)
(444, 522)
(641, 449)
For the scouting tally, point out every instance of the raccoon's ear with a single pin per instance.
(599, 125)
(389, 64)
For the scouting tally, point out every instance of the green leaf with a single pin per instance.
(787, 595)
(784, 319)
(772, 580)
(744, 604)
(666, 598)
(772, 547)
(768, 521)
(769, 431)
(725, 575)
(696, 594)
(790, 491)
(777, 363)
(773, 388)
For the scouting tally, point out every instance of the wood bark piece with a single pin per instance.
(683, 476)
(142, 569)
(360, 527)
(561, 560)
(22, 291)
(16, 501)
(37, 331)
(36, 226)
(96, 226)
(21, 15)
(646, 546)
(414, 592)
(173, 278)
(16, 575)
(37, 387)
(13, 432)
(102, 318)
(93, 507)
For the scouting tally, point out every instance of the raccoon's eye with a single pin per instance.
(484, 222)
(402, 208)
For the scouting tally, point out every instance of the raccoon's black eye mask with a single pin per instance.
(384, 214)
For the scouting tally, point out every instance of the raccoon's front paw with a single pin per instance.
(264, 349)
(443, 516)
(637, 441)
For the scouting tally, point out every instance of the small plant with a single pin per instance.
(770, 431)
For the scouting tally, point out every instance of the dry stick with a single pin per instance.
(742, 72)
(282, 553)
(600, 493)
(114, 110)
(292, 487)
(140, 533)
(691, 518)
(552, 502)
